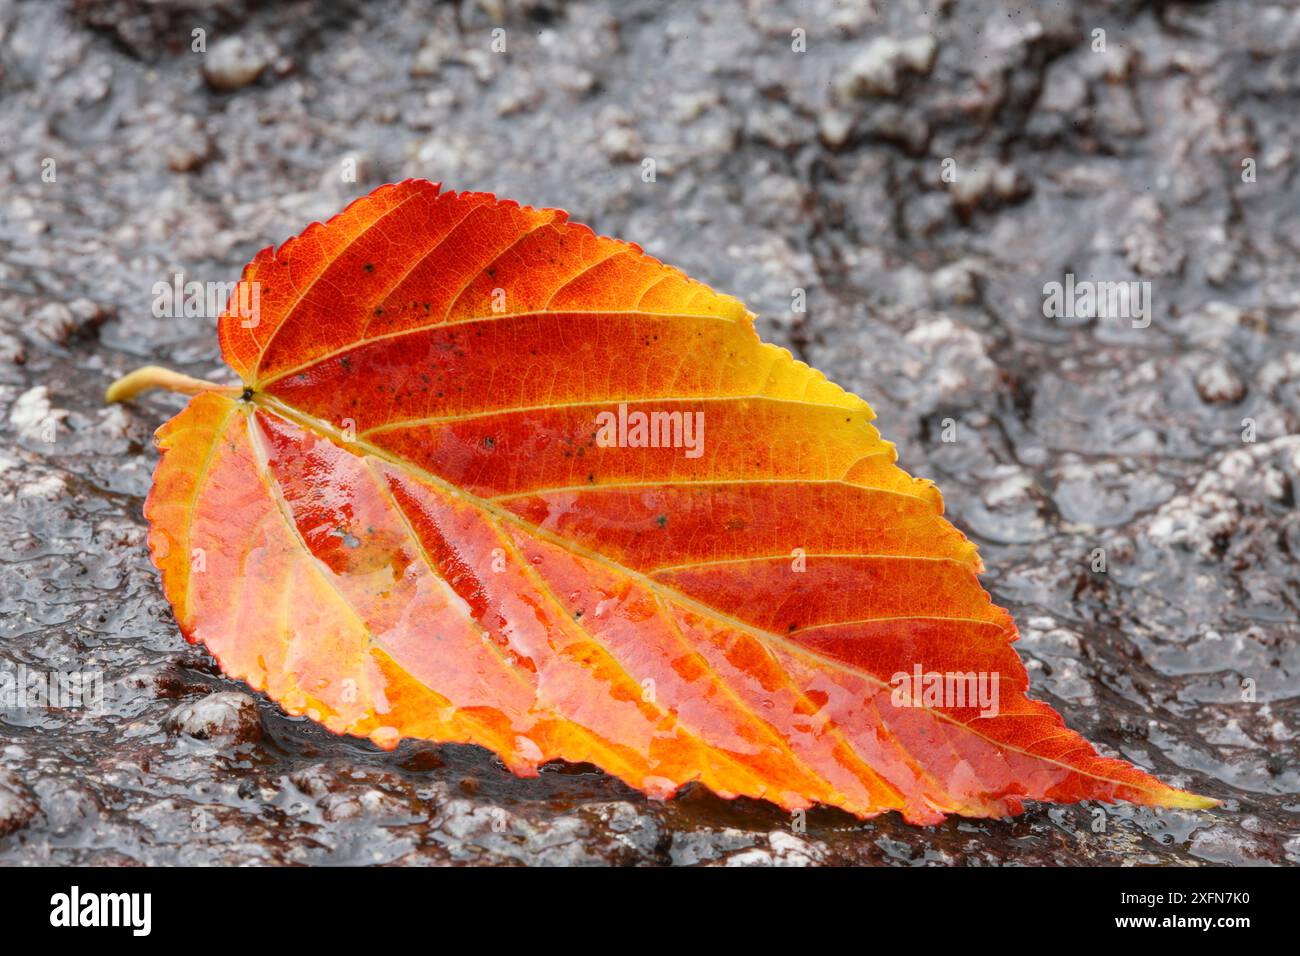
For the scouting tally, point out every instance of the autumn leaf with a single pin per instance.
(490, 478)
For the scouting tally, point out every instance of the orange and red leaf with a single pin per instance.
(409, 528)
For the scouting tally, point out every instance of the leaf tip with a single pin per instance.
(1183, 800)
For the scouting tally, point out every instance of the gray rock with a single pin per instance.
(235, 62)
(876, 70)
(34, 418)
(226, 717)
(17, 804)
(1218, 383)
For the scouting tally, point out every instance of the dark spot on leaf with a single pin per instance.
(348, 538)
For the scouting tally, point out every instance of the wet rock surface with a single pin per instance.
(1132, 486)
(226, 717)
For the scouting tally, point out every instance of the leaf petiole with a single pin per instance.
(155, 376)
